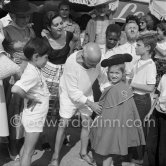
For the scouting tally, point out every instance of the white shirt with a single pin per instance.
(111, 52)
(144, 72)
(76, 83)
(6, 20)
(33, 83)
(130, 49)
(163, 47)
(162, 89)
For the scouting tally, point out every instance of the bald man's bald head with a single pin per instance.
(92, 53)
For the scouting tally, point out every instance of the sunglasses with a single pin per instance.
(142, 22)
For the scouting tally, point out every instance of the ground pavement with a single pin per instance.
(69, 154)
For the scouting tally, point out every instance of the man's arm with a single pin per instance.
(76, 94)
(103, 79)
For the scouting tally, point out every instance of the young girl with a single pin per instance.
(33, 89)
(118, 127)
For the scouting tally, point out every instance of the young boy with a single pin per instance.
(144, 77)
(32, 87)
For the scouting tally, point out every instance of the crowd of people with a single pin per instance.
(64, 63)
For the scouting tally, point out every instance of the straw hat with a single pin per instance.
(20, 7)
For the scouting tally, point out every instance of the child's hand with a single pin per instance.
(33, 100)
(147, 117)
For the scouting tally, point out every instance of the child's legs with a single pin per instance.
(29, 147)
(152, 141)
(143, 104)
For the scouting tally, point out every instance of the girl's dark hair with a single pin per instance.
(37, 45)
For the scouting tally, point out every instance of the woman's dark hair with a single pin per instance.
(151, 24)
(47, 20)
(37, 45)
(162, 26)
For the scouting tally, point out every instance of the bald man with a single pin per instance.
(82, 68)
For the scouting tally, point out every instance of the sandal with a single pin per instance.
(54, 162)
(88, 159)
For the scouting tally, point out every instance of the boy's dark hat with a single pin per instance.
(20, 7)
(116, 59)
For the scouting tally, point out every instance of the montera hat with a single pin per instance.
(116, 60)
(20, 7)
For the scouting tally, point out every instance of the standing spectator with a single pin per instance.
(83, 21)
(33, 89)
(59, 41)
(4, 131)
(160, 56)
(96, 27)
(129, 18)
(70, 25)
(17, 34)
(80, 72)
(144, 80)
(131, 31)
(113, 33)
(156, 135)
(143, 25)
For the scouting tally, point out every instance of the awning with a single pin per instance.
(92, 3)
(158, 9)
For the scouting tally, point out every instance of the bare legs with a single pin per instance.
(28, 148)
(61, 134)
(59, 141)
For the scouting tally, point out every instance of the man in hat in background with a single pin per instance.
(70, 25)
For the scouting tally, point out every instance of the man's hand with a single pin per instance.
(94, 106)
